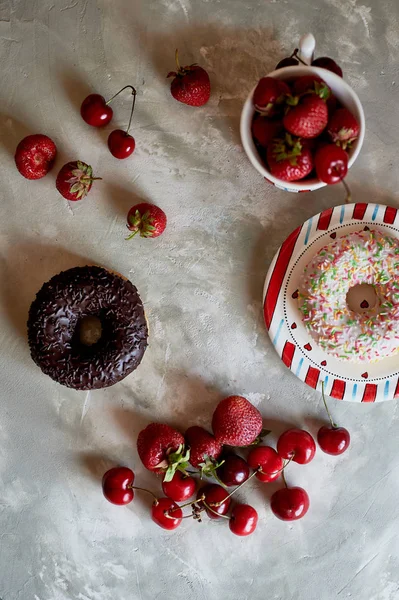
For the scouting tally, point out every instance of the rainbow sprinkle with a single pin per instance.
(362, 257)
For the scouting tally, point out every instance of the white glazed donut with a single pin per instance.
(372, 332)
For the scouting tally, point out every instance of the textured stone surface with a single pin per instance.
(201, 285)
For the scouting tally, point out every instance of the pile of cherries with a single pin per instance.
(214, 499)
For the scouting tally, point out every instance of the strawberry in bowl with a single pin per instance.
(313, 106)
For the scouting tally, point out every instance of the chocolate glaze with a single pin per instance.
(53, 328)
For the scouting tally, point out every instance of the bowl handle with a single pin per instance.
(307, 44)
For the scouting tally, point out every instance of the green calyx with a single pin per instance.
(209, 466)
(142, 224)
(81, 180)
(322, 90)
(288, 148)
(177, 461)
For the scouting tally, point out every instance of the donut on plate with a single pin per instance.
(87, 328)
(349, 296)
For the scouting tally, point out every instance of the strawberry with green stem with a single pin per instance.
(74, 180)
(191, 84)
(289, 158)
(146, 219)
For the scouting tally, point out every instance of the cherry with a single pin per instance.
(216, 500)
(95, 111)
(331, 438)
(331, 163)
(166, 513)
(290, 504)
(180, 488)
(117, 485)
(243, 520)
(121, 144)
(289, 61)
(267, 459)
(296, 444)
(327, 63)
(233, 471)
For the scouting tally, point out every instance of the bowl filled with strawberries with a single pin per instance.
(302, 126)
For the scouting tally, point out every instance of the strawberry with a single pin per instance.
(190, 85)
(74, 180)
(343, 128)
(265, 129)
(289, 159)
(315, 85)
(311, 83)
(236, 422)
(161, 449)
(205, 449)
(308, 116)
(35, 156)
(147, 219)
(269, 94)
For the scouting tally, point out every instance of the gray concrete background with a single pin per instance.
(201, 283)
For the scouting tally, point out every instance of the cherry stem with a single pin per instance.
(214, 511)
(134, 487)
(284, 480)
(280, 470)
(348, 198)
(237, 488)
(131, 112)
(333, 425)
(177, 60)
(295, 55)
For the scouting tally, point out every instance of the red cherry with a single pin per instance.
(333, 440)
(296, 444)
(180, 488)
(95, 111)
(121, 144)
(233, 471)
(243, 520)
(331, 164)
(166, 513)
(290, 504)
(327, 63)
(213, 495)
(117, 485)
(268, 460)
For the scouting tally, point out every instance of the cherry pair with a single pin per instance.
(97, 112)
(118, 489)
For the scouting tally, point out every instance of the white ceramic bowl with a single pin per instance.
(341, 90)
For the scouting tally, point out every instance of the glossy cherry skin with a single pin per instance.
(214, 494)
(297, 443)
(268, 460)
(181, 488)
(327, 63)
(290, 504)
(117, 484)
(331, 163)
(333, 440)
(233, 471)
(163, 507)
(243, 520)
(95, 111)
(290, 61)
(121, 144)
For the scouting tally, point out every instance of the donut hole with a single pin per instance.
(362, 298)
(89, 330)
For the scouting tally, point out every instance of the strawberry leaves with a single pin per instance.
(177, 461)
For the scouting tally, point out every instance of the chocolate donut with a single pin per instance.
(55, 326)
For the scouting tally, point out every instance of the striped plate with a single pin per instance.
(357, 382)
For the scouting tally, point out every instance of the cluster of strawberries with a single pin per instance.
(35, 154)
(300, 127)
(236, 423)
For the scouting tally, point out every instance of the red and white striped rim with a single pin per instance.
(344, 380)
